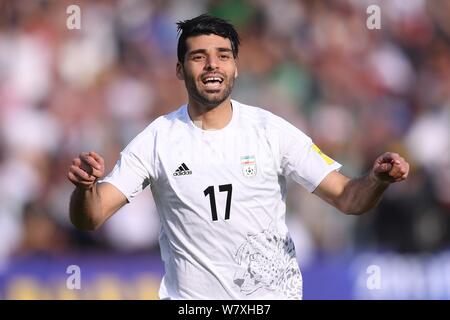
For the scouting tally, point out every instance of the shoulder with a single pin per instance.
(254, 113)
(168, 120)
(257, 116)
(264, 119)
(164, 122)
(159, 127)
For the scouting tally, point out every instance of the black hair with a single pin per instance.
(205, 25)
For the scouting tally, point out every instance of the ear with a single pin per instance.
(236, 73)
(179, 71)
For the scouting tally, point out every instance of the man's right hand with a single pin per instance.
(86, 169)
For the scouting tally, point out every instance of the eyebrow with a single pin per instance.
(204, 51)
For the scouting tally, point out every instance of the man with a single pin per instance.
(217, 170)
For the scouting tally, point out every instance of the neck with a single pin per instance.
(210, 119)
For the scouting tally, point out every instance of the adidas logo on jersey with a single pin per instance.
(182, 170)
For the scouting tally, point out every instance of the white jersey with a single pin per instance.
(221, 199)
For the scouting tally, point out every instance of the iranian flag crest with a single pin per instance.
(248, 164)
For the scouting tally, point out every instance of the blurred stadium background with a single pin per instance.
(357, 92)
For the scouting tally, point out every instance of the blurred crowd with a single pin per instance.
(356, 92)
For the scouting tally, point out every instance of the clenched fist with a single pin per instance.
(390, 167)
(86, 169)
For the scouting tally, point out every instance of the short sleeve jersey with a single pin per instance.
(221, 198)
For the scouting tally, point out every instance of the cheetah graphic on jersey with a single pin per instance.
(268, 262)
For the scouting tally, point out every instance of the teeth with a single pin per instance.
(213, 79)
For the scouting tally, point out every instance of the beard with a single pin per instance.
(209, 99)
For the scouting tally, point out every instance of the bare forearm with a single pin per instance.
(362, 194)
(85, 208)
(357, 196)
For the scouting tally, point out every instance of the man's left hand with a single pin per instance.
(390, 167)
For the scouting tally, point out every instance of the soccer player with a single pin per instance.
(217, 169)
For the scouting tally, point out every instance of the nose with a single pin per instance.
(211, 63)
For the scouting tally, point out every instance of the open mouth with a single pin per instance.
(212, 81)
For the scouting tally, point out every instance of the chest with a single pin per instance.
(245, 161)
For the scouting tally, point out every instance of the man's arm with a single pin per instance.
(356, 196)
(91, 203)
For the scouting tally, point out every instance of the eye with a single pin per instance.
(224, 56)
(197, 57)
